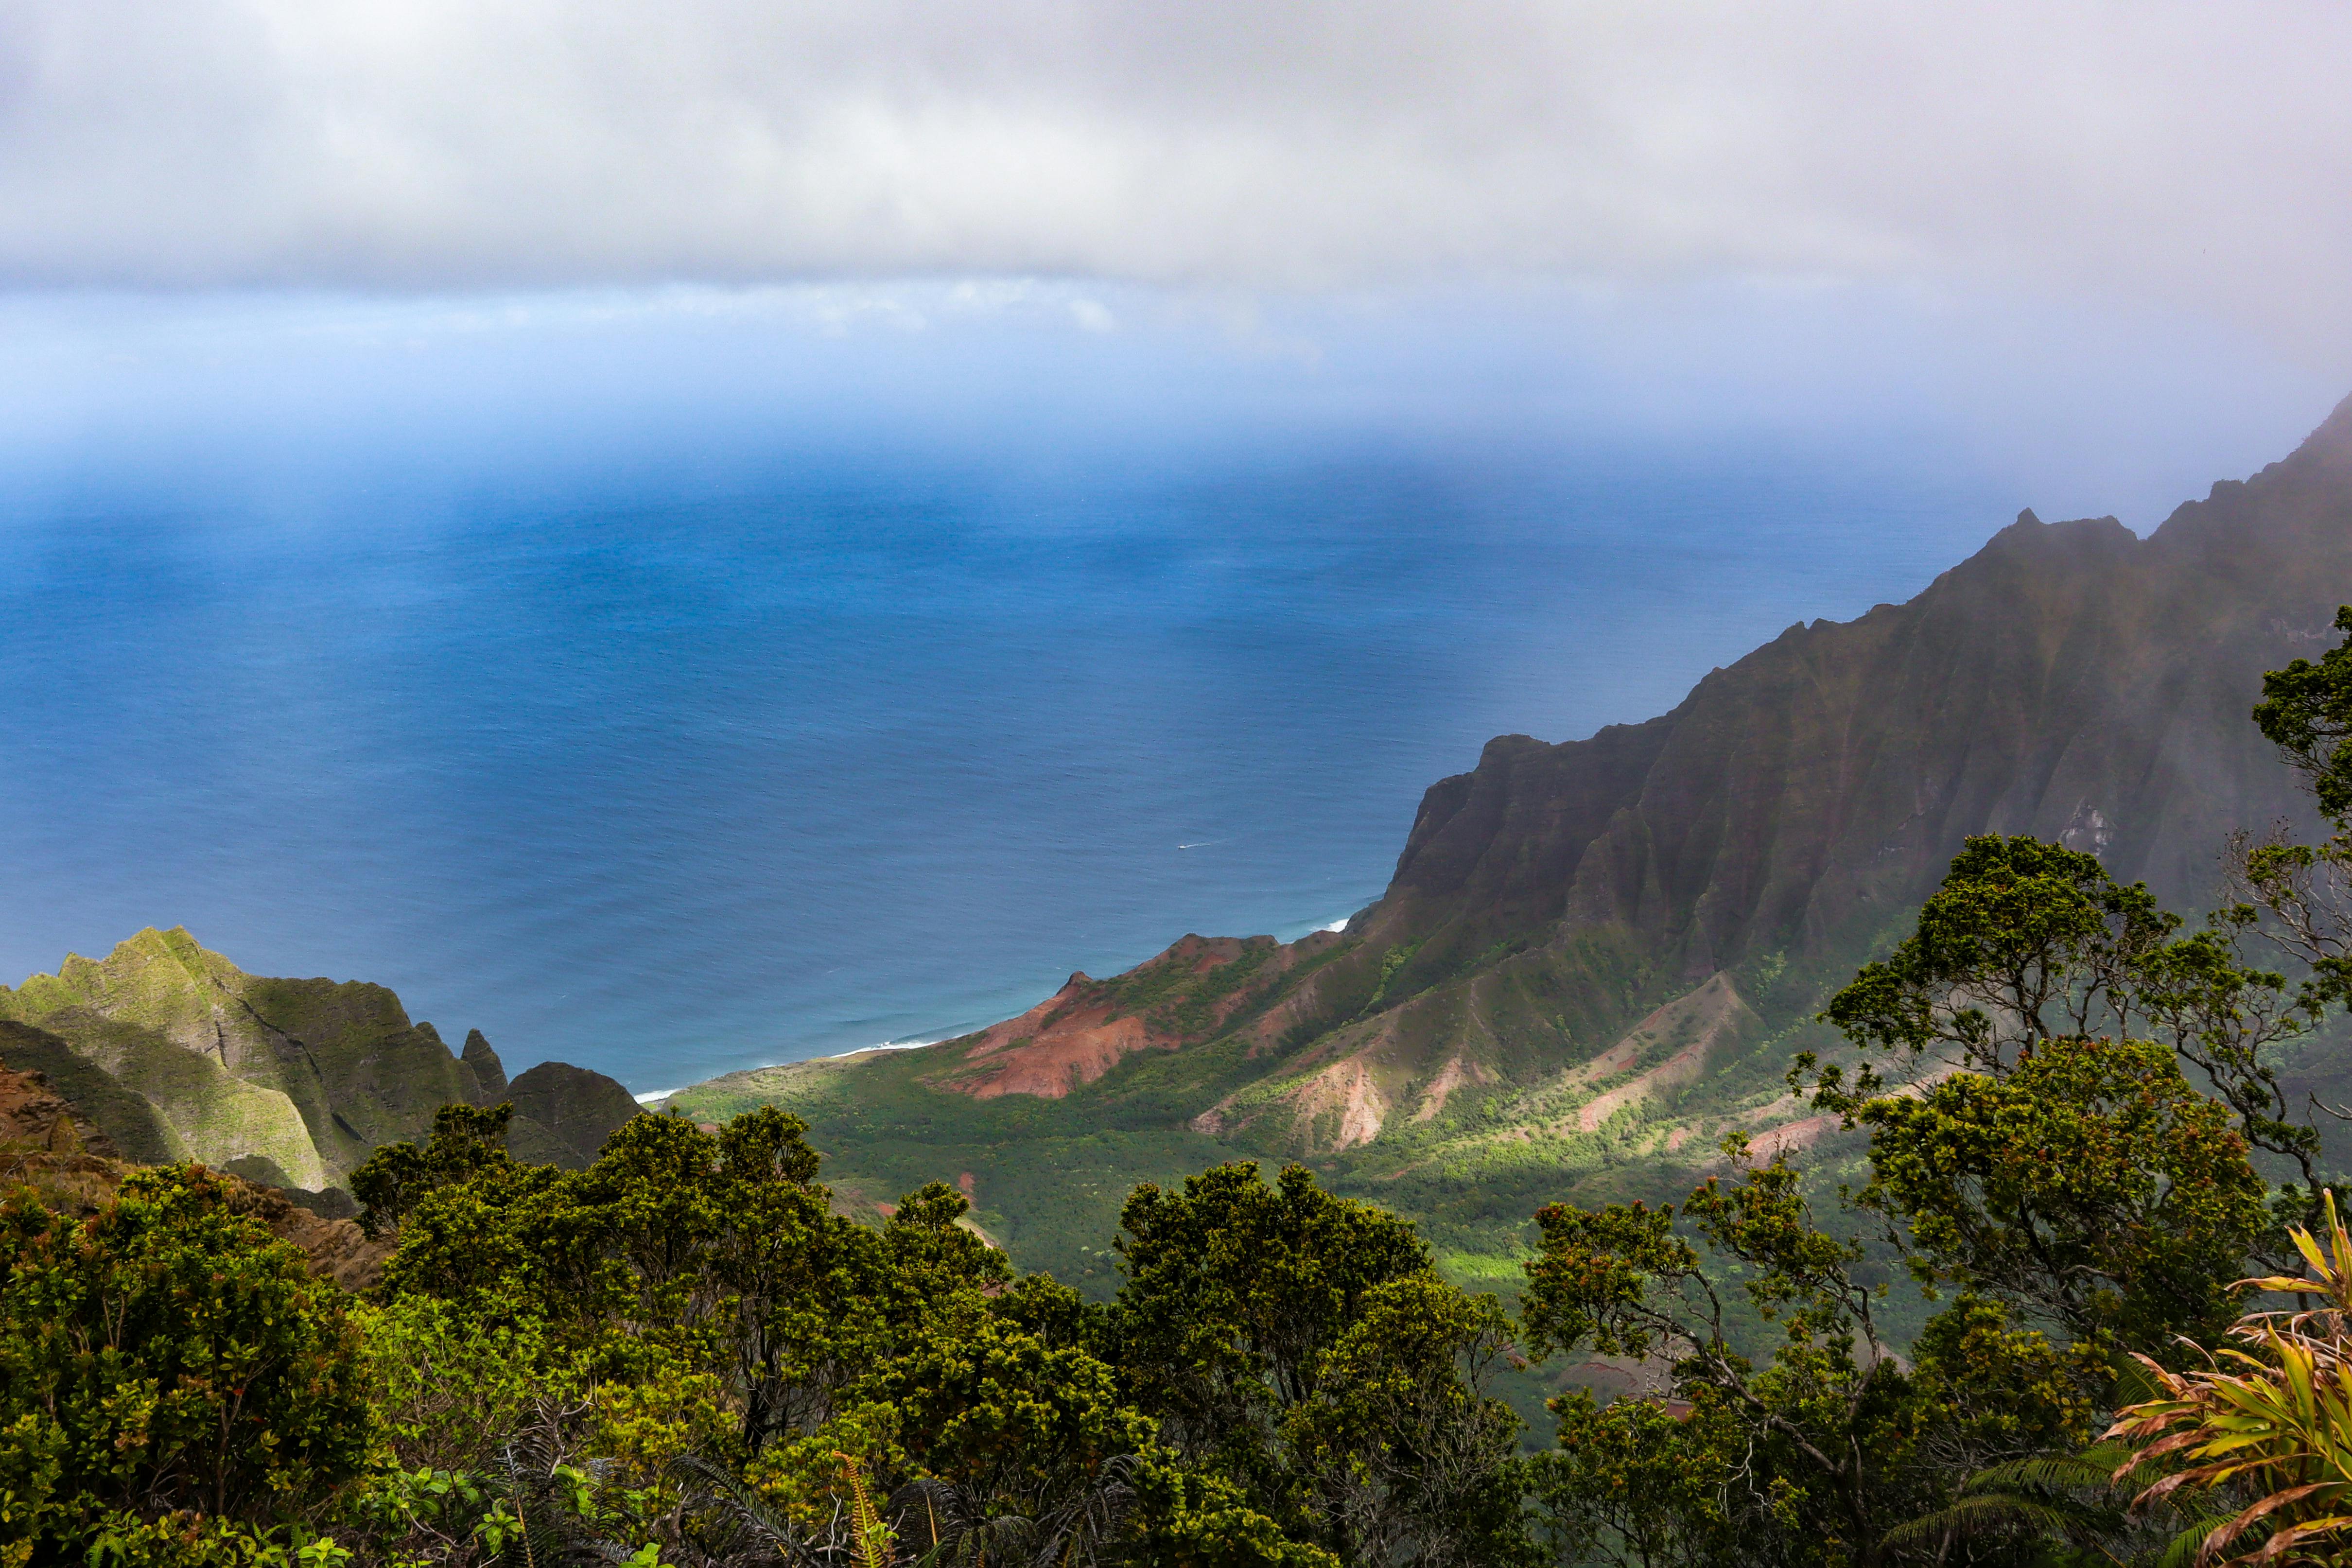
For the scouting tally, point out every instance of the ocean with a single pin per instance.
(673, 786)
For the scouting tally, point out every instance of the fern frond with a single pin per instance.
(2070, 1472)
(1984, 1514)
(873, 1536)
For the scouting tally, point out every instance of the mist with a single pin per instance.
(272, 403)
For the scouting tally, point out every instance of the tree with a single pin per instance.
(2306, 712)
(167, 1357)
(2022, 941)
(1235, 1290)
(995, 1411)
(2026, 941)
(2304, 891)
(1811, 1457)
(715, 1250)
(1400, 1448)
(1300, 1344)
(1643, 1481)
(2027, 949)
(684, 1255)
(2089, 1184)
(1184, 1517)
(466, 1142)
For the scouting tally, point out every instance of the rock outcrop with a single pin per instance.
(564, 1113)
(489, 1073)
(178, 1054)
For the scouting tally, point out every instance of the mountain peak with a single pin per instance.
(489, 1072)
(2333, 434)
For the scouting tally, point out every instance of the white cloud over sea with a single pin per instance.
(2182, 157)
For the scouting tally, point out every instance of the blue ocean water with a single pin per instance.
(672, 787)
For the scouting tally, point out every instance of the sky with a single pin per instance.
(2189, 156)
(2106, 242)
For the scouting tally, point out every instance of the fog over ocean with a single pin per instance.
(867, 719)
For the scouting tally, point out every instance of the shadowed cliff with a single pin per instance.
(1738, 855)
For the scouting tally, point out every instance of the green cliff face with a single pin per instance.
(1595, 957)
(177, 1053)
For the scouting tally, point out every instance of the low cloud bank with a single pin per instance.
(2193, 157)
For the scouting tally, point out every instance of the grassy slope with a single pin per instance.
(1047, 1176)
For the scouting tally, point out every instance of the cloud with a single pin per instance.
(2191, 155)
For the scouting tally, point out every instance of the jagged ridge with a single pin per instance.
(178, 1054)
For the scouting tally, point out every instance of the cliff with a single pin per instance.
(176, 1053)
(1737, 857)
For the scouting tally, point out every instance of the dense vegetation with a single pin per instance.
(2134, 1346)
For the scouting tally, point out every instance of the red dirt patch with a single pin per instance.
(1083, 1030)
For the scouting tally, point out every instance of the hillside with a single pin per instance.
(174, 1052)
(1595, 956)
(53, 1147)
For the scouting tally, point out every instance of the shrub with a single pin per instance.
(166, 1365)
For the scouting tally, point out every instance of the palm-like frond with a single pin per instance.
(953, 1529)
(1075, 1533)
(2274, 1420)
(2093, 1469)
(752, 1529)
(870, 1537)
(1985, 1514)
(2186, 1547)
(549, 1535)
(2070, 1497)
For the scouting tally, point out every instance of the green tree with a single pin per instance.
(1399, 1448)
(2089, 1183)
(2303, 892)
(2026, 941)
(720, 1250)
(1187, 1518)
(682, 1253)
(2029, 960)
(1234, 1293)
(466, 1142)
(993, 1410)
(2306, 712)
(166, 1358)
(1810, 1458)
(1646, 1481)
(1299, 1343)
